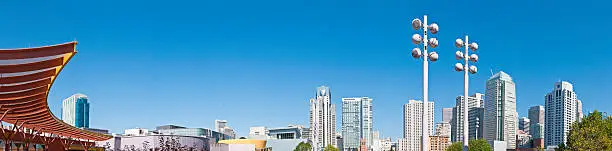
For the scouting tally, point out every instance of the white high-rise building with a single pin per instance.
(501, 118)
(561, 111)
(322, 120)
(413, 113)
(474, 101)
(356, 122)
(222, 127)
(75, 110)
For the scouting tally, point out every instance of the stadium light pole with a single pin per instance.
(466, 57)
(432, 56)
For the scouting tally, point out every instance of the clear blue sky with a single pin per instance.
(256, 63)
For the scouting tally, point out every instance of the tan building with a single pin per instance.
(439, 143)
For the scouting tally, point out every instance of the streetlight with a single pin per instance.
(466, 68)
(477, 126)
(433, 56)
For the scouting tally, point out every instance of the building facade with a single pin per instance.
(356, 122)
(524, 124)
(196, 132)
(75, 110)
(500, 119)
(443, 129)
(579, 115)
(221, 126)
(439, 143)
(536, 116)
(474, 101)
(413, 113)
(561, 112)
(322, 119)
(476, 124)
(447, 115)
(289, 132)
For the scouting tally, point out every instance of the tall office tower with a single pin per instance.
(561, 112)
(500, 119)
(447, 115)
(356, 122)
(322, 119)
(536, 116)
(413, 113)
(474, 101)
(524, 124)
(476, 124)
(579, 110)
(443, 129)
(75, 111)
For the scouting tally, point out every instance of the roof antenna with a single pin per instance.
(491, 69)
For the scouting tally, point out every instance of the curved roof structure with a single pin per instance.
(26, 76)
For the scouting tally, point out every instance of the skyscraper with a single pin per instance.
(474, 101)
(561, 112)
(447, 114)
(500, 119)
(356, 122)
(75, 110)
(524, 124)
(413, 112)
(322, 119)
(536, 116)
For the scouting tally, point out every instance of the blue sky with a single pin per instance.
(256, 63)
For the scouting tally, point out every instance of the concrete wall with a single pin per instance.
(232, 147)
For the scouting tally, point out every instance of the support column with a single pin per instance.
(86, 145)
(47, 141)
(66, 143)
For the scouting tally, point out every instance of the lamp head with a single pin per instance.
(458, 67)
(473, 69)
(473, 46)
(433, 28)
(459, 43)
(459, 55)
(433, 56)
(474, 58)
(417, 39)
(416, 53)
(433, 42)
(416, 24)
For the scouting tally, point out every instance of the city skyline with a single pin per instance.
(134, 68)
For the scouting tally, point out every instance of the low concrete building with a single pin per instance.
(156, 142)
(498, 145)
(284, 144)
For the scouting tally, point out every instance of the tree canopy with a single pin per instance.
(303, 147)
(474, 145)
(594, 132)
(331, 148)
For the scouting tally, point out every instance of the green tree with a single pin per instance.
(479, 145)
(331, 148)
(303, 147)
(457, 146)
(474, 145)
(594, 132)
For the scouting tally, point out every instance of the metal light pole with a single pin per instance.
(433, 56)
(472, 69)
(477, 126)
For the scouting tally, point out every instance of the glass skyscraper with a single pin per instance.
(356, 122)
(501, 118)
(75, 110)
